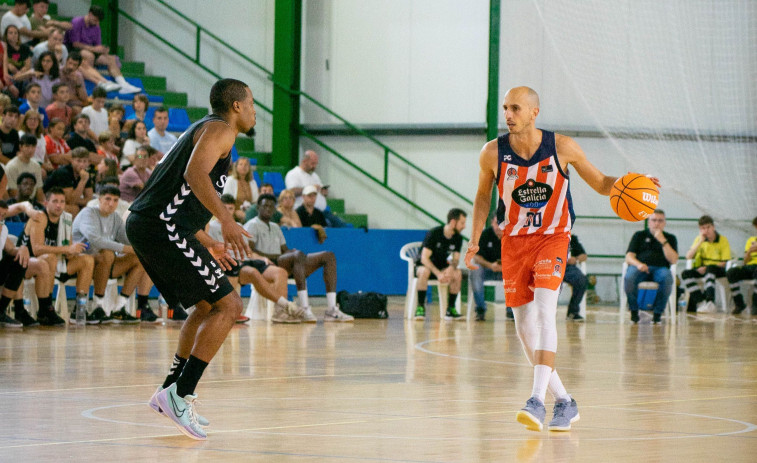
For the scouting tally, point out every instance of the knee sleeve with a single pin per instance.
(545, 304)
(526, 327)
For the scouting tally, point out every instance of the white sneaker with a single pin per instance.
(109, 86)
(706, 307)
(307, 316)
(129, 88)
(283, 316)
(336, 315)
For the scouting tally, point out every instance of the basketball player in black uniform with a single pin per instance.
(166, 230)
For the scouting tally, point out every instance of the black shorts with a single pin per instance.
(257, 264)
(11, 272)
(432, 275)
(180, 266)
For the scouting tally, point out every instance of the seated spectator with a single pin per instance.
(134, 178)
(139, 105)
(59, 108)
(55, 146)
(71, 76)
(575, 278)
(103, 230)
(137, 137)
(54, 42)
(42, 23)
(26, 192)
(287, 215)
(268, 241)
(307, 212)
(23, 163)
(159, 138)
(48, 237)
(85, 37)
(104, 169)
(74, 180)
(98, 115)
(746, 272)
(710, 252)
(252, 211)
(122, 208)
(304, 175)
(45, 73)
(33, 97)
(649, 257)
(107, 147)
(116, 124)
(9, 134)
(19, 54)
(15, 265)
(31, 123)
(16, 16)
(489, 261)
(80, 136)
(242, 187)
(438, 260)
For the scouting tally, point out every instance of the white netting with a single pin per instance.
(673, 84)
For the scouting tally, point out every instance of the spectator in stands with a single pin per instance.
(268, 241)
(5, 102)
(575, 278)
(33, 97)
(46, 73)
(304, 175)
(42, 23)
(23, 162)
(98, 115)
(242, 187)
(56, 147)
(438, 260)
(80, 136)
(649, 257)
(116, 124)
(287, 216)
(49, 238)
(31, 123)
(134, 178)
(59, 108)
(19, 54)
(122, 209)
(74, 180)
(252, 212)
(71, 76)
(710, 252)
(746, 272)
(139, 105)
(107, 147)
(26, 186)
(489, 263)
(105, 168)
(16, 16)
(85, 37)
(54, 42)
(309, 215)
(103, 229)
(159, 138)
(6, 82)
(9, 134)
(137, 137)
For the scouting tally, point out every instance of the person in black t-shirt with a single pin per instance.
(438, 260)
(8, 134)
(649, 257)
(311, 216)
(489, 261)
(575, 278)
(75, 180)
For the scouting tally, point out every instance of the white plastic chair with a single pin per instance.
(670, 306)
(260, 308)
(722, 288)
(410, 253)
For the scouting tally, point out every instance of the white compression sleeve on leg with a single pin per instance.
(545, 301)
(525, 326)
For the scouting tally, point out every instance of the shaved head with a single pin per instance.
(528, 92)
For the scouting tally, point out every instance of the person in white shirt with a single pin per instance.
(98, 115)
(16, 16)
(304, 175)
(23, 162)
(159, 138)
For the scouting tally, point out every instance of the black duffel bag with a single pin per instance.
(362, 305)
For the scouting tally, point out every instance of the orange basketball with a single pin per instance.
(634, 197)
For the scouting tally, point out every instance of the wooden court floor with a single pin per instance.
(386, 390)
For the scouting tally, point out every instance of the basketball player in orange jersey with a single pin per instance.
(534, 211)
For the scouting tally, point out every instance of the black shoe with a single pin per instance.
(452, 314)
(177, 314)
(98, 316)
(737, 310)
(147, 315)
(510, 315)
(50, 318)
(122, 316)
(572, 316)
(23, 316)
(480, 315)
(635, 316)
(657, 319)
(8, 322)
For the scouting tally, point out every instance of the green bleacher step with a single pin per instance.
(132, 67)
(280, 169)
(264, 159)
(357, 220)
(336, 205)
(196, 113)
(172, 99)
(245, 143)
(151, 83)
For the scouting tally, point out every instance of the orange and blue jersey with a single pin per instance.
(534, 194)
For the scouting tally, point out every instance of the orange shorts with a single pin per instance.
(532, 261)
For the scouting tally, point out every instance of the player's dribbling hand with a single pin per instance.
(472, 251)
(654, 180)
(221, 254)
(235, 236)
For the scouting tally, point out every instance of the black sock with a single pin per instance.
(737, 299)
(4, 302)
(451, 298)
(124, 295)
(18, 305)
(142, 301)
(422, 298)
(190, 376)
(45, 304)
(101, 296)
(176, 367)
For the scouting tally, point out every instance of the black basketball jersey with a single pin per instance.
(51, 235)
(167, 195)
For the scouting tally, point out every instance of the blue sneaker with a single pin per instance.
(153, 403)
(532, 415)
(181, 412)
(563, 415)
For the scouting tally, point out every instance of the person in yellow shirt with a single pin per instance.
(746, 272)
(710, 251)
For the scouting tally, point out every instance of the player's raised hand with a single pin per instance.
(235, 236)
(472, 251)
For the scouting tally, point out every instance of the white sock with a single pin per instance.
(541, 380)
(282, 302)
(331, 299)
(98, 301)
(557, 389)
(302, 296)
(122, 302)
(121, 80)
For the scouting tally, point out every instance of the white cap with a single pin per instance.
(309, 190)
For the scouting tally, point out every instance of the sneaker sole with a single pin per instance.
(155, 407)
(286, 322)
(178, 425)
(336, 320)
(11, 325)
(449, 319)
(565, 428)
(529, 421)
